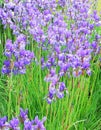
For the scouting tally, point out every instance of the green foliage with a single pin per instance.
(79, 110)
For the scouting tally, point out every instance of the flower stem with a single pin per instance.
(9, 98)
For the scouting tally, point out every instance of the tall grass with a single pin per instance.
(79, 110)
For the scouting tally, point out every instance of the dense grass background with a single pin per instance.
(79, 110)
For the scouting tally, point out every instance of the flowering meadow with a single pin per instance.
(50, 65)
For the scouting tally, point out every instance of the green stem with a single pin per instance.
(18, 98)
(9, 98)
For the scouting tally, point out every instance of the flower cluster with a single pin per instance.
(17, 56)
(56, 88)
(63, 29)
(72, 49)
(23, 120)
